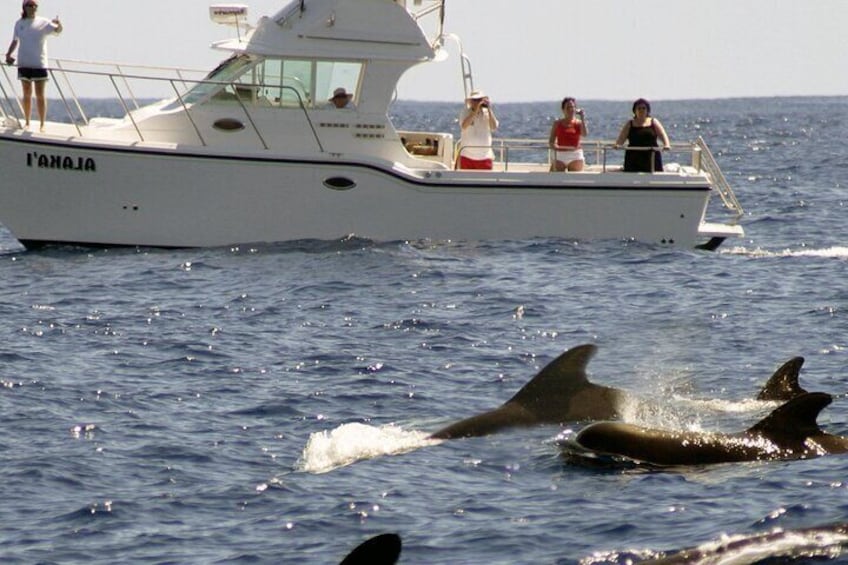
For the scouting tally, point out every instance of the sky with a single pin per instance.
(526, 50)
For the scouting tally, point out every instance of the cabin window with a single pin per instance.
(279, 82)
(287, 82)
(313, 82)
(331, 75)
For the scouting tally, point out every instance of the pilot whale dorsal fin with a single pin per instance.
(547, 398)
(794, 420)
(383, 549)
(783, 384)
(569, 369)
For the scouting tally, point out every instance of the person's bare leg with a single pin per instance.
(41, 101)
(27, 100)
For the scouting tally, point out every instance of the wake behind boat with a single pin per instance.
(253, 152)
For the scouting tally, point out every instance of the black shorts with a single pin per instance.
(28, 73)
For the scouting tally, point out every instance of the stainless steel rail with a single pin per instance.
(511, 152)
(172, 79)
(508, 152)
(720, 184)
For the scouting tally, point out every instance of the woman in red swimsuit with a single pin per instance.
(565, 138)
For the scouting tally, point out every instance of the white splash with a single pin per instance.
(741, 550)
(747, 406)
(349, 443)
(836, 252)
(678, 412)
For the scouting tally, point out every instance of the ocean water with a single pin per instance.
(270, 404)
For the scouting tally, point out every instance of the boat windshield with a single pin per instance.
(227, 71)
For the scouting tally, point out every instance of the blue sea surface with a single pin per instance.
(270, 404)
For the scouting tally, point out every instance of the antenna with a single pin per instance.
(230, 15)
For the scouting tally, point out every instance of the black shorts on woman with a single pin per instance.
(31, 74)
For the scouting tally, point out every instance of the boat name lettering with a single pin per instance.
(43, 161)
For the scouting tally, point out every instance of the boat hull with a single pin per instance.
(133, 194)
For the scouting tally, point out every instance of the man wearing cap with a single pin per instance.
(31, 34)
(477, 122)
(342, 99)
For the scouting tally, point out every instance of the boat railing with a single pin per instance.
(10, 107)
(708, 163)
(116, 74)
(510, 152)
(122, 77)
(132, 91)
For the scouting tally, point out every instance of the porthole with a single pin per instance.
(339, 183)
(228, 124)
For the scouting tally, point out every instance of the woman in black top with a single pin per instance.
(643, 131)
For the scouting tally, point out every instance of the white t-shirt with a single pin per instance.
(476, 139)
(32, 41)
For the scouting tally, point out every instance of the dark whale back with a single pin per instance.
(559, 393)
(788, 432)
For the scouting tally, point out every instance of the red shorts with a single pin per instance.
(466, 163)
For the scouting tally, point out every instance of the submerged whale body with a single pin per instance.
(789, 432)
(777, 546)
(562, 393)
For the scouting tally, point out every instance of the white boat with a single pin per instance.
(252, 152)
